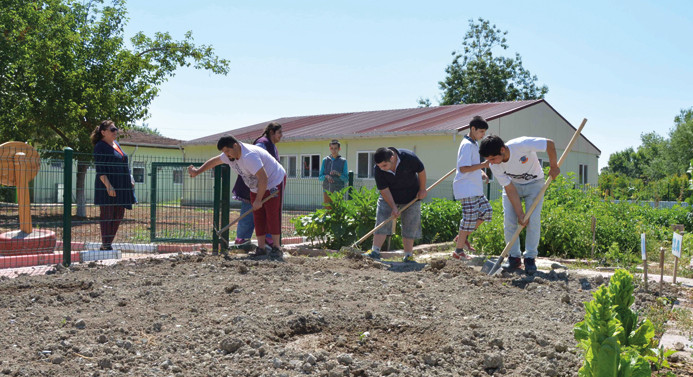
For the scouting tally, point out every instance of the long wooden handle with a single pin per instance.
(246, 213)
(401, 210)
(541, 194)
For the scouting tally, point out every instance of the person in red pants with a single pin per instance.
(263, 174)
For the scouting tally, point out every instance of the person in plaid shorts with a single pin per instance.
(468, 187)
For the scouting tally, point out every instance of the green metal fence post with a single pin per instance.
(152, 202)
(351, 184)
(225, 202)
(217, 204)
(67, 207)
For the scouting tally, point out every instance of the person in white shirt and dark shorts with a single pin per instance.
(468, 187)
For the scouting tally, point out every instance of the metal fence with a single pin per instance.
(173, 212)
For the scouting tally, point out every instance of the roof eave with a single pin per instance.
(368, 135)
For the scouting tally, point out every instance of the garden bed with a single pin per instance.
(205, 315)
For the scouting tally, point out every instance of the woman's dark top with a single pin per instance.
(113, 165)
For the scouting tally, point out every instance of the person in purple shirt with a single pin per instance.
(241, 192)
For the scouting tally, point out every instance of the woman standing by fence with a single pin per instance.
(114, 185)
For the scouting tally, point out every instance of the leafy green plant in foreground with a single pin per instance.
(614, 345)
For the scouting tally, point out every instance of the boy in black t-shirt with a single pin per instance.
(401, 178)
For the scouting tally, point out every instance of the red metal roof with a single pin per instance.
(440, 119)
(134, 137)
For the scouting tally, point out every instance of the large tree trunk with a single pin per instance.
(82, 167)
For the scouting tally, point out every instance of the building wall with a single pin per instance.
(438, 152)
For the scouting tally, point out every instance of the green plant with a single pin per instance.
(335, 255)
(343, 223)
(659, 356)
(614, 345)
(614, 256)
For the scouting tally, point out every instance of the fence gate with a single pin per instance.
(179, 211)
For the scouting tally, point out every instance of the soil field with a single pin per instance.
(208, 315)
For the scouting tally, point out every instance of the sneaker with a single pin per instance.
(106, 247)
(241, 241)
(372, 254)
(408, 259)
(530, 265)
(513, 263)
(460, 255)
(276, 252)
(259, 251)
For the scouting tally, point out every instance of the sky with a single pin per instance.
(625, 66)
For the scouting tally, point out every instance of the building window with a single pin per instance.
(178, 176)
(310, 165)
(365, 164)
(289, 164)
(138, 172)
(582, 176)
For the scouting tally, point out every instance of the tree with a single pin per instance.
(477, 75)
(65, 68)
(681, 141)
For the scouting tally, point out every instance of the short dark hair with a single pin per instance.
(383, 154)
(491, 146)
(335, 141)
(226, 141)
(479, 123)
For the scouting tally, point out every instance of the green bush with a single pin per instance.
(342, 224)
(566, 223)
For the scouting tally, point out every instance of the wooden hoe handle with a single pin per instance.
(401, 210)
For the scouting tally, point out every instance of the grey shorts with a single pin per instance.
(410, 219)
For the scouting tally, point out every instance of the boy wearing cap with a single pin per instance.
(468, 188)
(517, 168)
(333, 171)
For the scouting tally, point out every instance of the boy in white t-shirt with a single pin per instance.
(263, 174)
(517, 168)
(468, 188)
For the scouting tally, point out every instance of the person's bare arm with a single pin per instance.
(514, 197)
(387, 196)
(209, 164)
(421, 195)
(261, 188)
(554, 171)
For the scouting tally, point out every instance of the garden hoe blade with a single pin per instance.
(491, 266)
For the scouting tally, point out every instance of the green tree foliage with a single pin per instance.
(477, 75)
(66, 67)
(657, 157)
(681, 141)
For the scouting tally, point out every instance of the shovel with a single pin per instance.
(492, 268)
(354, 250)
(246, 213)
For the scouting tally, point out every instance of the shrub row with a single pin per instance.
(566, 222)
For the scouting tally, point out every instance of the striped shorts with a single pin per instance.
(474, 208)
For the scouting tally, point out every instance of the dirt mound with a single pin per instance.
(206, 315)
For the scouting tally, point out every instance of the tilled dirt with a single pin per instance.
(204, 315)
